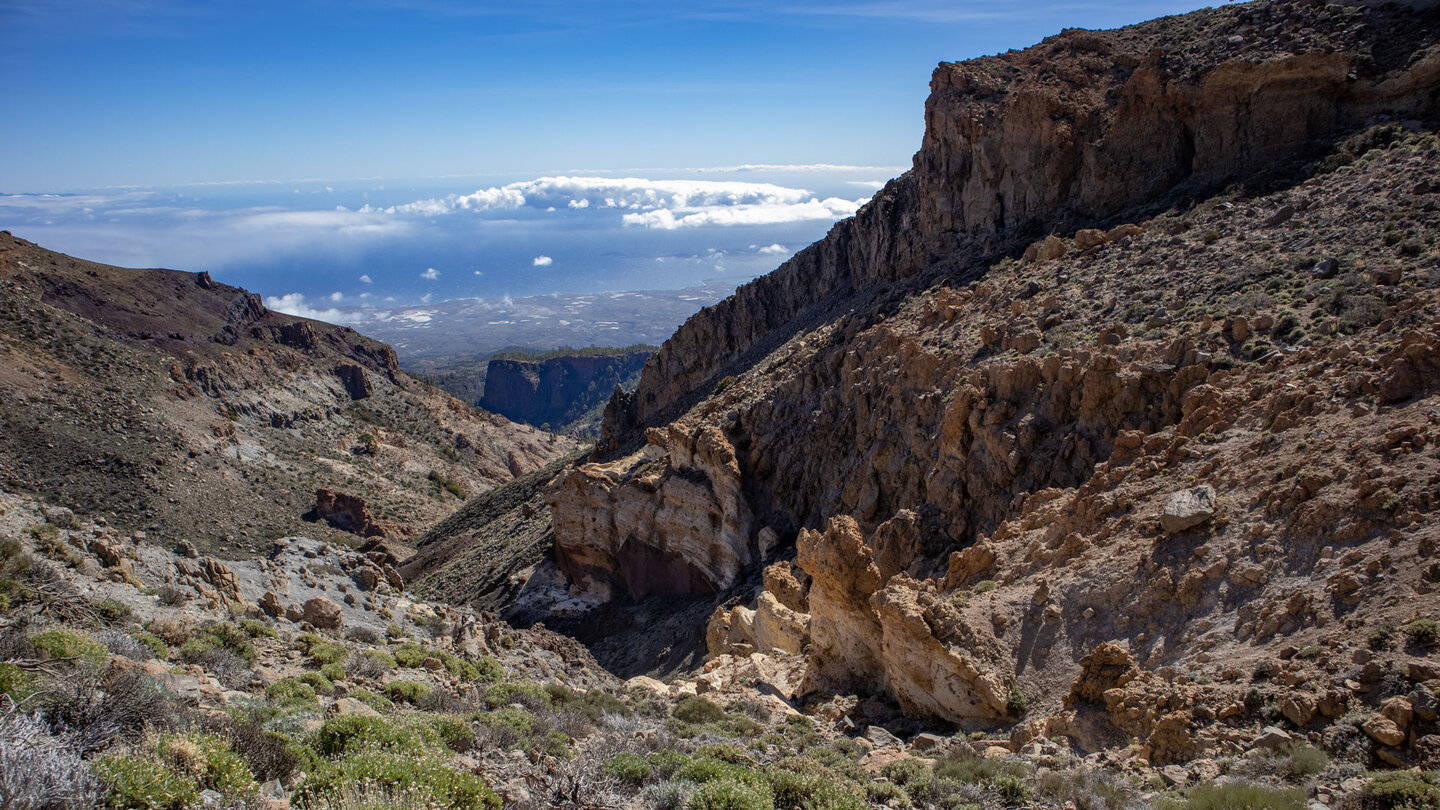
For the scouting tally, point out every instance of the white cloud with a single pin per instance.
(542, 261)
(776, 249)
(872, 185)
(425, 299)
(478, 273)
(625, 193)
(430, 274)
(365, 279)
(337, 296)
(768, 214)
(294, 304)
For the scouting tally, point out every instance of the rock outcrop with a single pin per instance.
(345, 512)
(669, 519)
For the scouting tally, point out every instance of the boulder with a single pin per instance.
(1383, 730)
(1188, 508)
(345, 706)
(270, 605)
(347, 513)
(322, 613)
(1298, 707)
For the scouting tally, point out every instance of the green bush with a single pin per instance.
(1424, 632)
(152, 641)
(380, 657)
(60, 643)
(333, 672)
(517, 719)
(1402, 790)
(526, 693)
(290, 692)
(1297, 760)
(423, 780)
(965, 766)
(259, 629)
(1016, 705)
(412, 692)
(411, 655)
(1238, 796)
(628, 768)
(140, 782)
(351, 733)
(696, 709)
(377, 702)
(223, 636)
(220, 768)
(815, 792)
(113, 611)
(729, 794)
(318, 682)
(16, 682)
(665, 764)
(320, 650)
(905, 771)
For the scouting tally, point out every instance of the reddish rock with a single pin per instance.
(322, 613)
(345, 512)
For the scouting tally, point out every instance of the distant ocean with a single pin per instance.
(321, 248)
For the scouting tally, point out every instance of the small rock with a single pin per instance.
(882, 738)
(1086, 238)
(927, 742)
(270, 605)
(1188, 508)
(1299, 708)
(1424, 704)
(61, 517)
(1272, 737)
(1284, 213)
(185, 548)
(1386, 275)
(1052, 248)
(1175, 775)
(1399, 710)
(1326, 268)
(345, 706)
(996, 752)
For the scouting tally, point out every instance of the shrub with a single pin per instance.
(667, 795)
(259, 629)
(113, 611)
(350, 733)
(728, 794)
(1016, 705)
(156, 645)
(628, 767)
(411, 655)
(136, 781)
(905, 771)
(269, 755)
(425, 781)
(69, 645)
(290, 692)
(413, 692)
(219, 636)
(219, 768)
(377, 702)
(363, 634)
(173, 596)
(97, 708)
(320, 650)
(121, 643)
(16, 682)
(1232, 795)
(37, 770)
(816, 792)
(724, 384)
(318, 682)
(457, 735)
(529, 694)
(172, 631)
(696, 709)
(963, 765)
(1401, 790)
(1298, 760)
(518, 720)
(332, 672)
(1423, 632)
(1379, 639)
(227, 667)
(1095, 790)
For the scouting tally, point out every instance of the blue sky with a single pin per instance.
(383, 154)
(159, 92)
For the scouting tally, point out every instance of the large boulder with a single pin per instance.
(1188, 508)
(322, 613)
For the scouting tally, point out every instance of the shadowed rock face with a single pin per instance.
(558, 390)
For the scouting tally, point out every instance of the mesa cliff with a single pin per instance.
(559, 391)
(1113, 419)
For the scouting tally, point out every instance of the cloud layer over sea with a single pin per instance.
(320, 248)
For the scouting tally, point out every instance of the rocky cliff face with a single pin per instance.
(1092, 493)
(1070, 132)
(557, 391)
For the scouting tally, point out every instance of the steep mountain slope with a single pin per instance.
(1169, 477)
(161, 399)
